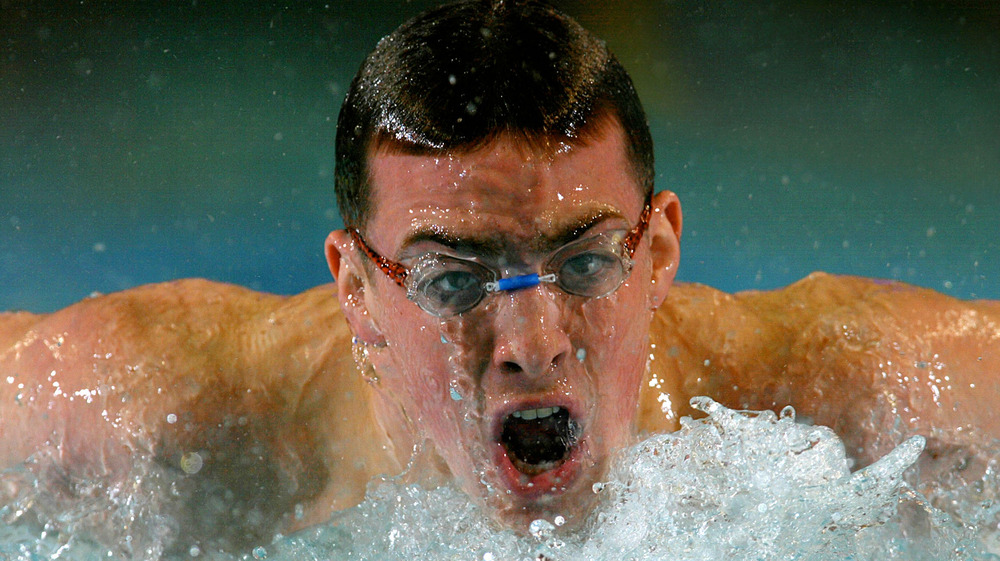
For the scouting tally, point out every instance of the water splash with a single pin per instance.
(734, 485)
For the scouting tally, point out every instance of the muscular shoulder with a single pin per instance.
(849, 352)
(254, 384)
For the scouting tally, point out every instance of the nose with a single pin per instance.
(531, 337)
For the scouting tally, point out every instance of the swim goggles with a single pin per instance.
(444, 285)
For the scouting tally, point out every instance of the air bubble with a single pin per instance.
(191, 463)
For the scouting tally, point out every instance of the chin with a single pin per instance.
(569, 510)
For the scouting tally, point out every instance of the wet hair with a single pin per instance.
(456, 77)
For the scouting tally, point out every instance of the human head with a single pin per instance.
(497, 133)
(456, 77)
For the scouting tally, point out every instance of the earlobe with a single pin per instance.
(664, 233)
(351, 287)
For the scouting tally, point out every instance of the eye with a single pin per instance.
(451, 292)
(592, 273)
(445, 286)
(588, 265)
(448, 283)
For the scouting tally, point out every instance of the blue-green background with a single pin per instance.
(141, 141)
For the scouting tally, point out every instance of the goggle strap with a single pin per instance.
(393, 270)
(631, 241)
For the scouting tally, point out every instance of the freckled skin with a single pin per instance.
(265, 388)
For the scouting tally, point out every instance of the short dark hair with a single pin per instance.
(456, 77)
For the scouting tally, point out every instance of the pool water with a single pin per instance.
(142, 144)
(734, 485)
(197, 139)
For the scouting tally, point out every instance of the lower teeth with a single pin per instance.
(533, 469)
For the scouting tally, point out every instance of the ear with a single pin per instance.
(665, 248)
(352, 285)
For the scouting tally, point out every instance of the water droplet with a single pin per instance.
(581, 354)
(171, 418)
(259, 552)
(191, 463)
(541, 528)
(454, 394)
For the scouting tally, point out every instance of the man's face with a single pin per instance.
(482, 385)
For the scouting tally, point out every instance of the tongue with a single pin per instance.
(538, 441)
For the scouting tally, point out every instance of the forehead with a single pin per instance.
(507, 189)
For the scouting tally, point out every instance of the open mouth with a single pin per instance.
(539, 440)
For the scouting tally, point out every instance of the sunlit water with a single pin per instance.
(734, 486)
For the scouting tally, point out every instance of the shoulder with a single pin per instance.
(164, 344)
(254, 384)
(822, 299)
(853, 353)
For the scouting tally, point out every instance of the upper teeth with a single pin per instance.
(531, 414)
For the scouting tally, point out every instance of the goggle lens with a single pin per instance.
(592, 267)
(445, 286)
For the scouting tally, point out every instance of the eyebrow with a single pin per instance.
(493, 246)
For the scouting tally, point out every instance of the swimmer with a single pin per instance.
(503, 316)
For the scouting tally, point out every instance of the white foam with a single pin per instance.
(734, 486)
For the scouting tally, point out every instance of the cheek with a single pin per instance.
(410, 367)
(616, 338)
(426, 366)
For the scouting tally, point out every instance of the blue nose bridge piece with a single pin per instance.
(519, 282)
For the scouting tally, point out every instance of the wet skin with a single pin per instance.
(208, 352)
(510, 205)
(266, 390)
